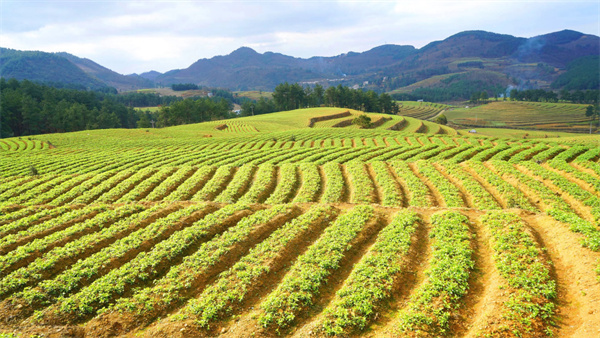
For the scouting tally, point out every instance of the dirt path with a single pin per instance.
(578, 301)
(480, 301)
(377, 191)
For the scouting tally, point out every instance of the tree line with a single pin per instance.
(29, 108)
(191, 111)
(294, 96)
(540, 95)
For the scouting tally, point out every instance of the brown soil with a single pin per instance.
(308, 318)
(584, 169)
(484, 297)
(131, 320)
(582, 184)
(480, 280)
(578, 305)
(531, 196)
(323, 185)
(347, 193)
(573, 267)
(400, 184)
(174, 186)
(377, 191)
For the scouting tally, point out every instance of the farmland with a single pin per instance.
(285, 224)
(555, 117)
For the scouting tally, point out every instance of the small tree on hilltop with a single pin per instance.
(441, 119)
(484, 96)
(593, 112)
(363, 121)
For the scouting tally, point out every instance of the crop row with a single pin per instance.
(237, 283)
(230, 153)
(363, 188)
(418, 193)
(527, 288)
(143, 267)
(372, 279)
(172, 288)
(569, 187)
(53, 259)
(510, 196)
(448, 191)
(479, 197)
(301, 284)
(41, 245)
(430, 308)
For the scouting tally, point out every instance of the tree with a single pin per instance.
(475, 97)
(441, 119)
(318, 95)
(484, 96)
(593, 112)
(363, 121)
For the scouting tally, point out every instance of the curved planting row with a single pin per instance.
(283, 269)
(274, 152)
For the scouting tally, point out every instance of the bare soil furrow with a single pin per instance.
(578, 298)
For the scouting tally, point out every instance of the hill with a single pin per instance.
(109, 77)
(539, 59)
(282, 224)
(64, 68)
(44, 67)
(535, 62)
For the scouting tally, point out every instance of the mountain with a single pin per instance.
(64, 68)
(151, 75)
(44, 67)
(459, 63)
(107, 76)
(246, 69)
(527, 62)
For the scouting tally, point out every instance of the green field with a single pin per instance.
(283, 225)
(254, 94)
(556, 117)
(422, 110)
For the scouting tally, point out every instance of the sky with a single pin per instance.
(139, 36)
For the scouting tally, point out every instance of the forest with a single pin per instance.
(29, 108)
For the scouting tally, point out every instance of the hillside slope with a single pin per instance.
(298, 229)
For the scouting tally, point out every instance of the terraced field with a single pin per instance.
(557, 117)
(422, 110)
(303, 232)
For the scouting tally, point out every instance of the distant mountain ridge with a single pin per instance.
(535, 62)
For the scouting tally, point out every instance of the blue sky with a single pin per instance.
(138, 36)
